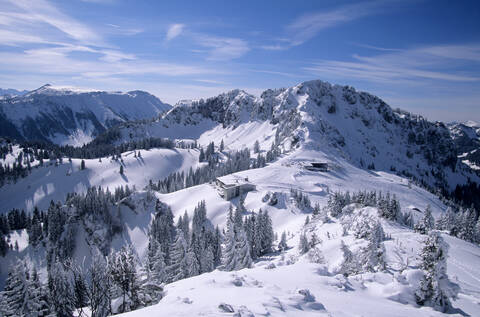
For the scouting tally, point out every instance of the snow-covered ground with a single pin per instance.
(52, 182)
(349, 138)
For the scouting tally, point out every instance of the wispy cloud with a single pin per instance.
(209, 81)
(309, 25)
(222, 48)
(42, 11)
(174, 30)
(426, 63)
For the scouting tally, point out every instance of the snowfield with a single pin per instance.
(52, 182)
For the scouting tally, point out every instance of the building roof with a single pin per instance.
(233, 180)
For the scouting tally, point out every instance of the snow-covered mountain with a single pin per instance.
(317, 115)
(72, 116)
(467, 140)
(9, 93)
(368, 148)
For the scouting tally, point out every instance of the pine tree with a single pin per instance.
(61, 290)
(178, 266)
(243, 250)
(124, 276)
(229, 252)
(477, 231)
(237, 249)
(432, 291)
(207, 260)
(316, 209)
(426, 223)
(467, 228)
(192, 264)
(304, 246)
(282, 245)
(349, 265)
(217, 247)
(256, 147)
(38, 302)
(99, 285)
(222, 146)
(373, 255)
(82, 165)
(16, 291)
(447, 221)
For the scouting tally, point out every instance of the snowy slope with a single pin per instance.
(73, 116)
(312, 122)
(317, 115)
(264, 290)
(54, 182)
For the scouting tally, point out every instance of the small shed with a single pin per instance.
(231, 186)
(317, 167)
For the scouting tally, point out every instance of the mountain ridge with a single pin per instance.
(71, 116)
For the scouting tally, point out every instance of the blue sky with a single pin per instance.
(422, 56)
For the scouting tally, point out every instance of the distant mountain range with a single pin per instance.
(12, 92)
(72, 116)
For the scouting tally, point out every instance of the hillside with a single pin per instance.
(72, 116)
(316, 115)
(355, 232)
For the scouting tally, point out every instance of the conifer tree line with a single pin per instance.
(236, 161)
(175, 251)
(39, 151)
(55, 228)
(388, 205)
(463, 224)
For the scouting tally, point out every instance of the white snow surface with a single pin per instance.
(52, 182)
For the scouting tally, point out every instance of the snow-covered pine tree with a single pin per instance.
(35, 232)
(243, 251)
(373, 255)
(477, 231)
(237, 249)
(268, 234)
(467, 227)
(155, 263)
(178, 266)
(229, 259)
(192, 264)
(446, 221)
(207, 260)
(316, 209)
(158, 269)
(427, 223)
(304, 246)
(434, 284)
(185, 224)
(282, 245)
(222, 146)
(79, 286)
(349, 265)
(217, 247)
(38, 300)
(199, 218)
(124, 275)
(99, 287)
(61, 290)
(15, 295)
(256, 147)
